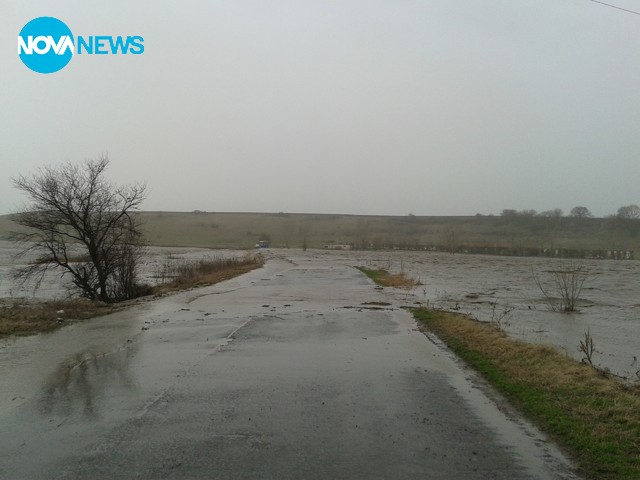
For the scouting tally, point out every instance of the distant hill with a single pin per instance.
(532, 235)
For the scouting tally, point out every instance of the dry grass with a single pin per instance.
(596, 417)
(207, 271)
(243, 230)
(17, 318)
(387, 279)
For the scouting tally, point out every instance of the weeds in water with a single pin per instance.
(21, 318)
(587, 348)
(204, 271)
(426, 302)
(386, 279)
(500, 317)
(568, 282)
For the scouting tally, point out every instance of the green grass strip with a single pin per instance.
(594, 417)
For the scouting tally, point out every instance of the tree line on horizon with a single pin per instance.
(627, 212)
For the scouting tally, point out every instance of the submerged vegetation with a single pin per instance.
(568, 282)
(596, 417)
(205, 271)
(18, 318)
(386, 279)
(592, 414)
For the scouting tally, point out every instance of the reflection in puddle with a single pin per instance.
(82, 383)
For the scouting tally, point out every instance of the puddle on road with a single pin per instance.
(77, 388)
(81, 383)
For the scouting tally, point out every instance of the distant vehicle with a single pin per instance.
(337, 246)
(262, 244)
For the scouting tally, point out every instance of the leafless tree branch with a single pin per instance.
(75, 207)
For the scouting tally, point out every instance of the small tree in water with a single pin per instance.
(568, 282)
(80, 223)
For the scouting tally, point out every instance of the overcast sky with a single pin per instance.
(430, 107)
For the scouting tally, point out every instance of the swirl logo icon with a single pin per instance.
(45, 45)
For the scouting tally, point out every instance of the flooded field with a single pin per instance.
(609, 304)
(154, 269)
(483, 286)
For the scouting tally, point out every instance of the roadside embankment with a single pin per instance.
(24, 318)
(594, 416)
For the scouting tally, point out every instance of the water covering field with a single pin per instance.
(609, 304)
(155, 268)
(490, 288)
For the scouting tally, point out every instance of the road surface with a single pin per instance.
(289, 372)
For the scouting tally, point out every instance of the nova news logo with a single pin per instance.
(46, 45)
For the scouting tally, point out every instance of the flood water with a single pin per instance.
(482, 286)
(270, 374)
(153, 269)
(609, 304)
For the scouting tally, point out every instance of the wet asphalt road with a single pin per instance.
(284, 373)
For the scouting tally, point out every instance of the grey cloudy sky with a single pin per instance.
(442, 107)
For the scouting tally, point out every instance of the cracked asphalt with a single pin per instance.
(295, 371)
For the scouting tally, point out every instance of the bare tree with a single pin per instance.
(627, 220)
(509, 213)
(568, 282)
(85, 226)
(555, 213)
(581, 212)
(629, 212)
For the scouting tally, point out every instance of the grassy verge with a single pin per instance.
(386, 279)
(207, 271)
(18, 318)
(596, 418)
